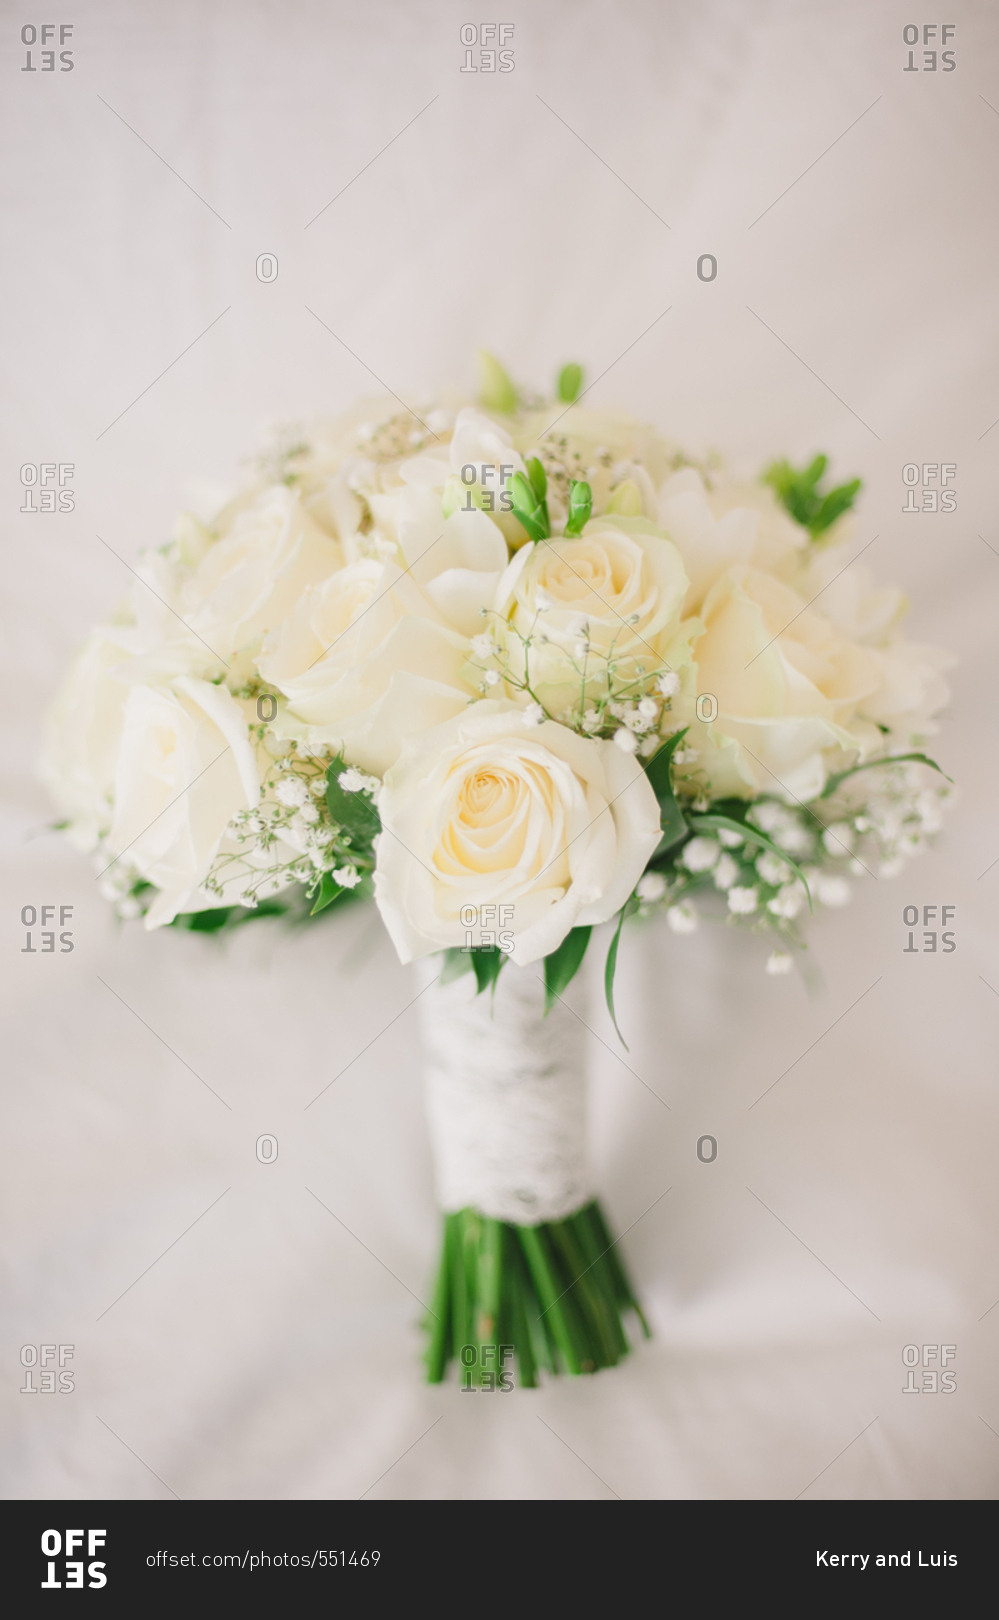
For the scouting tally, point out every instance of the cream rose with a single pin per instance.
(249, 580)
(83, 734)
(185, 766)
(494, 829)
(911, 689)
(618, 589)
(730, 524)
(789, 691)
(364, 662)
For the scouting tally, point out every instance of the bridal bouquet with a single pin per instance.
(512, 669)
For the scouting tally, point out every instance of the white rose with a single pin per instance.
(790, 692)
(83, 734)
(618, 588)
(731, 523)
(248, 581)
(363, 664)
(491, 828)
(185, 767)
(458, 561)
(911, 688)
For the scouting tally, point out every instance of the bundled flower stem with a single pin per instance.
(550, 1297)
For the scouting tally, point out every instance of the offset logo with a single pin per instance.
(63, 1569)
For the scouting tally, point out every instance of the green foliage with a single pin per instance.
(580, 507)
(354, 812)
(570, 383)
(325, 892)
(660, 775)
(752, 835)
(610, 967)
(562, 965)
(487, 964)
(798, 491)
(871, 764)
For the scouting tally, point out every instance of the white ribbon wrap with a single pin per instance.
(506, 1099)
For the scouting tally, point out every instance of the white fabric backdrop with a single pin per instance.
(271, 1350)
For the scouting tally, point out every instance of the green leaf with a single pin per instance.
(570, 383)
(205, 922)
(456, 963)
(326, 891)
(487, 964)
(798, 491)
(354, 812)
(538, 477)
(610, 967)
(562, 965)
(580, 507)
(530, 513)
(870, 764)
(834, 505)
(496, 391)
(752, 835)
(659, 773)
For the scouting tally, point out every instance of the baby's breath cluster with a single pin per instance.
(617, 698)
(812, 854)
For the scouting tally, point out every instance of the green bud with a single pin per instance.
(531, 514)
(626, 500)
(496, 391)
(536, 473)
(580, 507)
(454, 497)
(570, 383)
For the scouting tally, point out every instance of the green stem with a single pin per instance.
(556, 1292)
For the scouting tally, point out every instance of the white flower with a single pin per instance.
(363, 663)
(626, 740)
(348, 877)
(779, 962)
(291, 790)
(83, 735)
(791, 693)
(483, 646)
(591, 720)
(730, 838)
(832, 891)
(839, 838)
(669, 684)
(699, 854)
(533, 715)
(248, 581)
(648, 708)
(185, 768)
(772, 869)
(742, 901)
(491, 677)
(550, 830)
(725, 873)
(682, 919)
(623, 577)
(354, 781)
(787, 902)
(651, 887)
